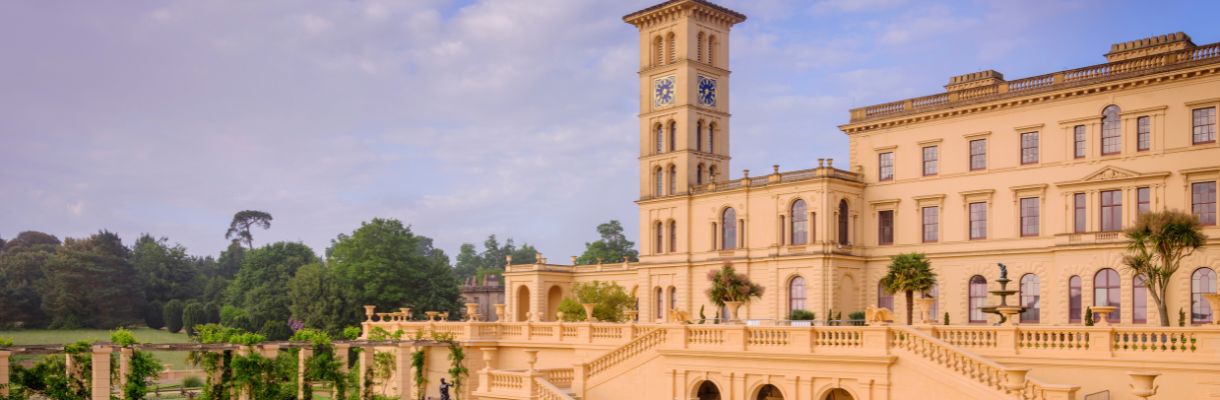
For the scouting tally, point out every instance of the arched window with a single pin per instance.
(800, 219)
(658, 234)
(699, 174)
(660, 300)
(1202, 281)
(934, 294)
(673, 135)
(671, 54)
(673, 179)
(884, 298)
(843, 222)
(796, 294)
(711, 173)
(699, 43)
(978, 297)
(1106, 292)
(711, 138)
(1139, 300)
(659, 177)
(711, 49)
(657, 48)
(660, 138)
(1074, 292)
(673, 236)
(715, 232)
(728, 237)
(673, 297)
(1030, 298)
(1111, 131)
(699, 135)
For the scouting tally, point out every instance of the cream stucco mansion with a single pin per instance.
(1040, 173)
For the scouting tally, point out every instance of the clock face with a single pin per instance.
(707, 91)
(663, 91)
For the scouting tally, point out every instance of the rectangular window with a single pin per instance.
(885, 227)
(1029, 147)
(931, 224)
(1111, 210)
(978, 154)
(978, 221)
(1143, 133)
(931, 156)
(1111, 138)
(1143, 200)
(1203, 201)
(1078, 213)
(885, 169)
(1029, 216)
(1078, 141)
(1204, 125)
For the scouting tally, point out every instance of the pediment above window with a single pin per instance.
(1112, 174)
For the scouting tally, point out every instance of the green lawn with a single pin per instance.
(144, 335)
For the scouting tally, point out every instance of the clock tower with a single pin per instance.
(684, 110)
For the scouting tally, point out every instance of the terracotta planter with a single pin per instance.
(732, 306)
(589, 312)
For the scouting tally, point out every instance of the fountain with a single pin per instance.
(1003, 310)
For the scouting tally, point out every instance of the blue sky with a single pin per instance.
(463, 119)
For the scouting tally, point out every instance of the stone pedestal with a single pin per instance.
(303, 357)
(1101, 312)
(341, 351)
(366, 363)
(101, 372)
(4, 357)
(1011, 313)
(124, 366)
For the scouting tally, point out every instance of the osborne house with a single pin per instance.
(1038, 173)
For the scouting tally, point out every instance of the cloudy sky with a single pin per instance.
(460, 118)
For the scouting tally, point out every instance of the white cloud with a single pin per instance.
(315, 25)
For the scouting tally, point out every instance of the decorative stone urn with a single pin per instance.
(732, 306)
(589, 312)
(406, 313)
(1015, 378)
(924, 304)
(531, 358)
(431, 315)
(500, 312)
(631, 315)
(559, 316)
(1100, 312)
(1213, 300)
(444, 316)
(1142, 384)
(472, 311)
(368, 312)
(1011, 313)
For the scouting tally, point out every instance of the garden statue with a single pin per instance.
(445, 389)
(1003, 271)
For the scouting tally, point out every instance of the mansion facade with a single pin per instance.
(1039, 173)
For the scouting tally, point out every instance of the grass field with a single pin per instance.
(39, 336)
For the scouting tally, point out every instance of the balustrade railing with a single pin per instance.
(544, 390)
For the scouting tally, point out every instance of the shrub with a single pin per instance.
(946, 318)
(1181, 317)
(728, 285)
(6, 342)
(856, 317)
(193, 314)
(154, 316)
(609, 298)
(192, 382)
(172, 314)
(802, 315)
(352, 332)
(122, 337)
(1088, 316)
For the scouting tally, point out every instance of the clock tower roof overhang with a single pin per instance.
(641, 16)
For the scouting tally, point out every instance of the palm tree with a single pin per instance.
(239, 228)
(909, 273)
(1157, 244)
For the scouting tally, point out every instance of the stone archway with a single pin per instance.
(523, 303)
(838, 394)
(769, 392)
(707, 391)
(553, 297)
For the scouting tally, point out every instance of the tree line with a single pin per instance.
(274, 290)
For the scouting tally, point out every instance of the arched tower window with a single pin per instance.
(660, 139)
(673, 135)
(712, 173)
(659, 177)
(671, 53)
(711, 137)
(978, 296)
(673, 236)
(1074, 292)
(843, 222)
(673, 179)
(657, 48)
(699, 135)
(1203, 280)
(699, 43)
(796, 294)
(711, 49)
(800, 219)
(699, 174)
(658, 235)
(1111, 131)
(1106, 292)
(660, 300)
(673, 297)
(885, 299)
(728, 237)
(1030, 298)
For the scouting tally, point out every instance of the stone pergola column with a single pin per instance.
(101, 372)
(124, 366)
(404, 370)
(243, 393)
(366, 362)
(341, 351)
(302, 358)
(4, 356)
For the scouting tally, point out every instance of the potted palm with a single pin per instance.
(731, 289)
(909, 273)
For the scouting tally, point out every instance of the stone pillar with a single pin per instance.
(404, 370)
(243, 393)
(366, 362)
(302, 358)
(124, 366)
(4, 355)
(269, 350)
(341, 351)
(489, 362)
(101, 372)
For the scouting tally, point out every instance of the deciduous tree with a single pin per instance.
(1156, 245)
(383, 263)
